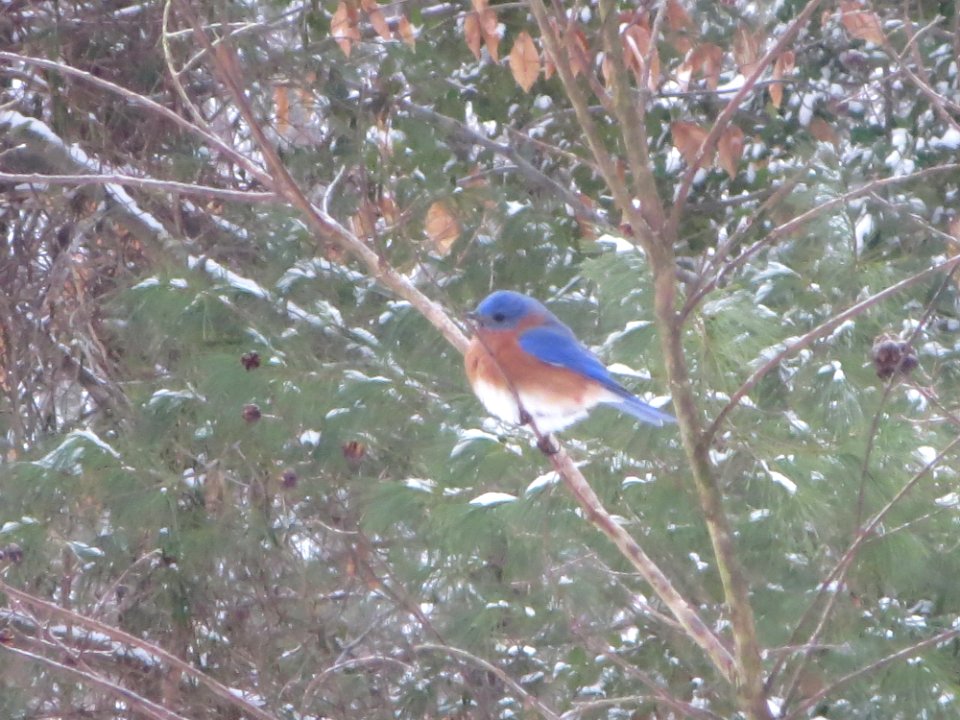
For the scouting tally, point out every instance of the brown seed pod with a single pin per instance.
(892, 356)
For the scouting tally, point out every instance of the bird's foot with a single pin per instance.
(548, 445)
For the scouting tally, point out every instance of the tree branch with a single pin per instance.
(244, 196)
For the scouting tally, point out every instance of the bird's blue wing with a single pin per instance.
(557, 345)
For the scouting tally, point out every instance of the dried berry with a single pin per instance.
(892, 357)
(250, 360)
(288, 479)
(251, 413)
(12, 553)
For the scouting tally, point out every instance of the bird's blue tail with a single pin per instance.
(643, 412)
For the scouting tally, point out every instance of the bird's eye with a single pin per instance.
(499, 317)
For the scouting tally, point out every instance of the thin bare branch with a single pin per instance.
(834, 579)
(821, 208)
(529, 700)
(323, 224)
(527, 169)
(173, 186)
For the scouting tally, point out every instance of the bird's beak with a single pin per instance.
(472, 316)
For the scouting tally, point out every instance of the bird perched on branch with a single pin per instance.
(521, 352)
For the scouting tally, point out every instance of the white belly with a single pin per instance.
(550, 415)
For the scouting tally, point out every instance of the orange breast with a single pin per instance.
(495, 356)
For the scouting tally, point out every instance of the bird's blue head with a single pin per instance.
(504, 310)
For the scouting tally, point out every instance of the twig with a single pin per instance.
(630, 113)
(173, 186)
(838, 572)
(527, 169)
(800, 220)
(578, 99)
(528, 699)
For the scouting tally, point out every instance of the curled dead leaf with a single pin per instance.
(405, 32)
(375, 15)
(490, 32)
(441, 227)
(636, 48)
(730, 149)
(747, 46)
(861, 23)
(687, 138)
(823, 131)
(343, 27)
(781, 68)
(471, 33)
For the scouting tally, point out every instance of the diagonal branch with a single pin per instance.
(630, 113)
(139, 100)
(324, 225)
(798, 222)
(836, 576)
(526, 168)
(605, 162)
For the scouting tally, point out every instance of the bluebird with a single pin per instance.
(521, 350)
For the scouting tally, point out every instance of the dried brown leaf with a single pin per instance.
(405, 32)
(677, 16)
(491, 37)
(746, 49)
(375, 14)
(687, 138)
(636, 46)
(861, 23)
(782, 67)
(730, 150)
(441, 227)
(281, 103)
(823, 131)
(343, 28)
(472, 34)
(524, 61)
(578, 50)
